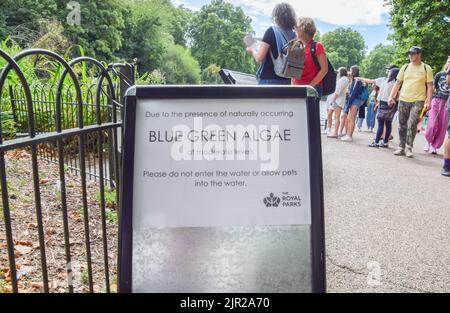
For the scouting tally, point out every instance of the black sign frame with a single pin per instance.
(223, 92)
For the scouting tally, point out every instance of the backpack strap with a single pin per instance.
(424, 67)
(280, 34)
(314, 55)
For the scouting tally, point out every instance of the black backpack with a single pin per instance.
(329, 81)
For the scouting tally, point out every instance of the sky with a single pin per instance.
(368, 17)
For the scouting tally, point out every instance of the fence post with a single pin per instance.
(127, 72)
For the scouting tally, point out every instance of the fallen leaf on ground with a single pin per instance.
(75, 215)
(38, 285)
(23, 249)
(24, 243)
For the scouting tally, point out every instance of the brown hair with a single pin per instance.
(342, 71)
(307, 26)
(354, 70)
(284, 15)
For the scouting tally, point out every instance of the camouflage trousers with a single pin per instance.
(408, 118)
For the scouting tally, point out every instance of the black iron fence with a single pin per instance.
(59, 230)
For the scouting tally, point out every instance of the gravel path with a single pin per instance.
(387, 218)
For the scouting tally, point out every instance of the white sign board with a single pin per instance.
(221, 162)
(221, 190)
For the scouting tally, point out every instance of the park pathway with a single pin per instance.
(388, 214)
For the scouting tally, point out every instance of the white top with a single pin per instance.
(385, 88)
(341, 89)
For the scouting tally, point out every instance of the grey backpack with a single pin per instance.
(291, 56)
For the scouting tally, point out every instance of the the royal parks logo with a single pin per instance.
(272, 201)
(286, 200)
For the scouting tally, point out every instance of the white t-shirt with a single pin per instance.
(341, 89)
(385, 88)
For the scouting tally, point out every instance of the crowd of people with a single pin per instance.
(406, 92)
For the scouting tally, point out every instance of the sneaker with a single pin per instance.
(325, 132)
(433, 150)
(374, 145)
(384, 145)
(399, 151)
(359, 130)
(427, 147)
(347, 138)
(342, 135)
(445, 172)
(409, 153)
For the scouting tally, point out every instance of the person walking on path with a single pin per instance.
(416, 82)
(437, 116)
(354, 102)
(446, 168)
(312, 75)
(386, 111)
(346, 108)
(337, 100)
(371, 109)
(285, 19)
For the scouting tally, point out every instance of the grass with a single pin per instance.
(110, 198)
(84, 276)
(111, 216)
(2, 283)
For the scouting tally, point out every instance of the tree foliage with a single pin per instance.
(210, 75)
(345, 47)
(374, 64)
(179, 67)
(181, 18)
(100, 32)
(216, 32)
(146, 35)
(424, 23)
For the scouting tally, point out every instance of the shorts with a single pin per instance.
(357, 103)
(332, 105)
(346, 108)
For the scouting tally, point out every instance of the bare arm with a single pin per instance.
(322, 58)
(367, 80)
(394, 92)
(262, 52)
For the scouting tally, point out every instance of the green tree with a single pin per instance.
(21, 19)
(345, 47)
(146, 36)
(100, 32)
(210, 75)
(424, 23)
(179, 27)
(374, 64)
(216, 32)
(179, 67)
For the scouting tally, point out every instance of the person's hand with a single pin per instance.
(249, 50)
(427, 105)
(375, 108)
(391, 102)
